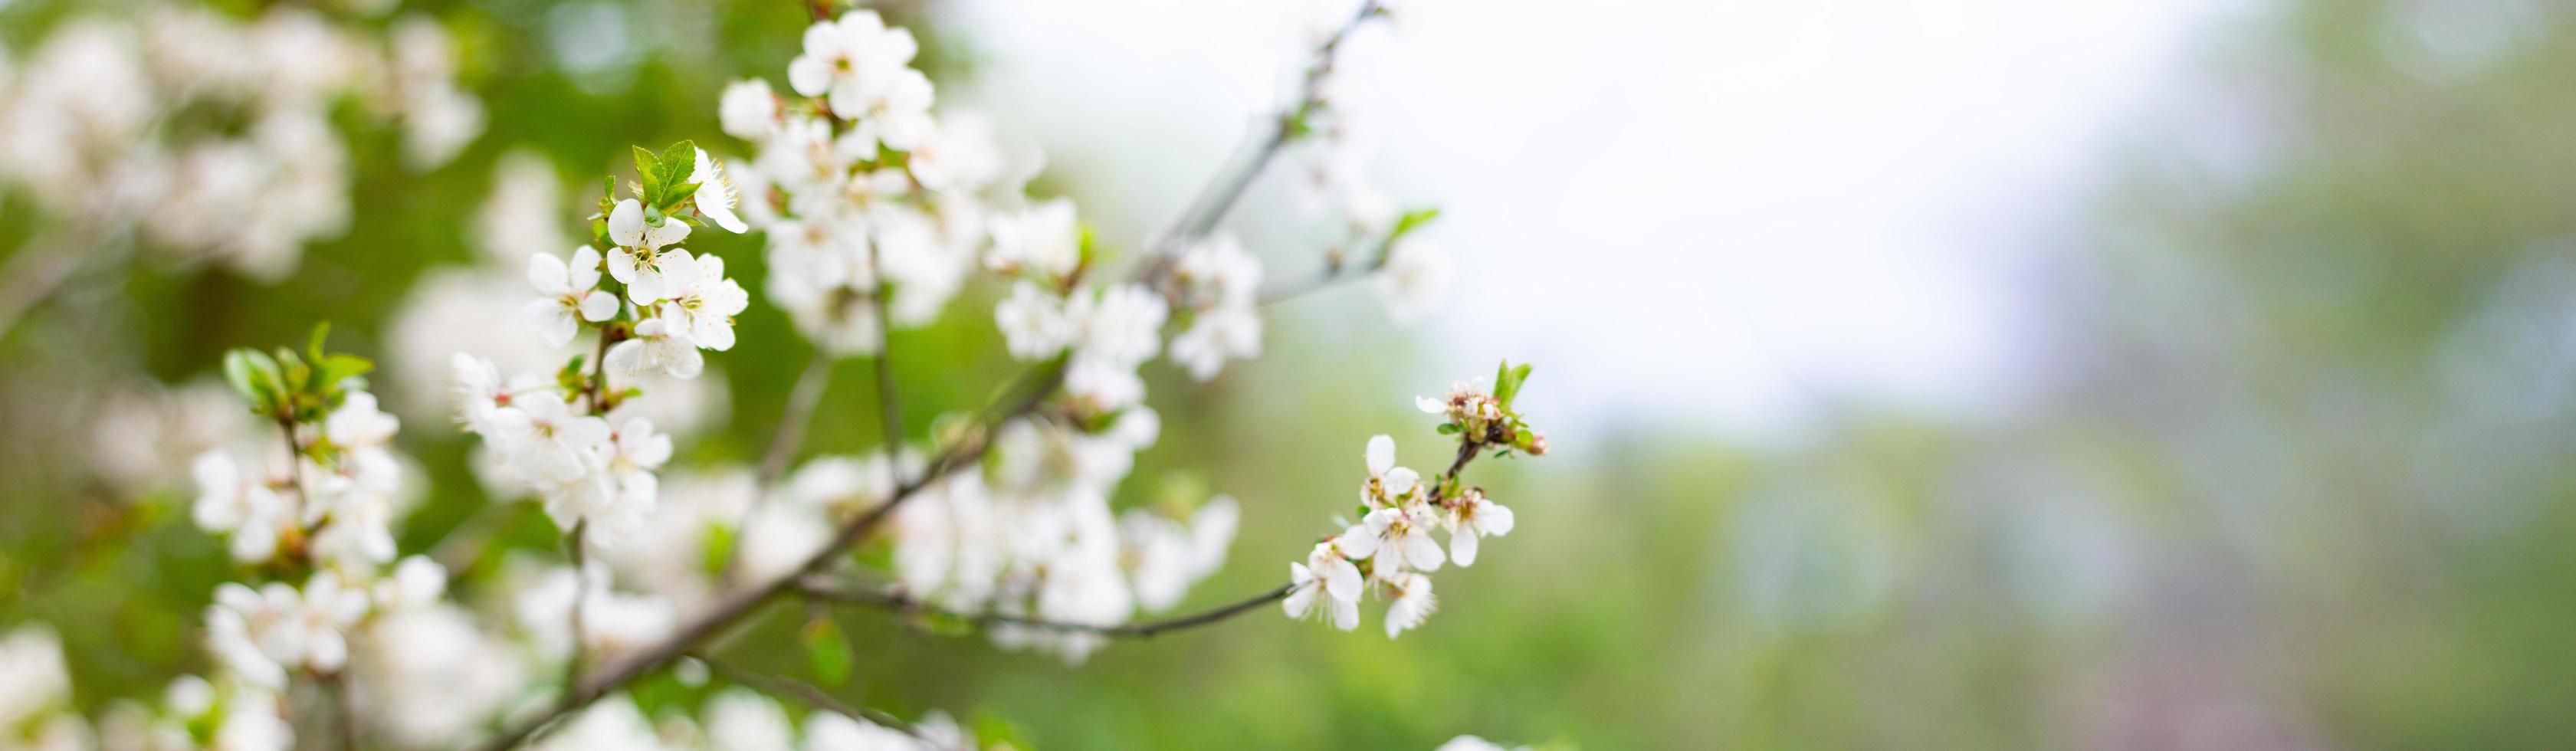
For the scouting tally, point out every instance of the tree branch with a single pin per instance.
(898, 601)
(1227, 187)
(802, 400)
(811, 695)
(740, 602)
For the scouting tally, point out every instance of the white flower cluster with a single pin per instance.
(1391, 550)
(89, 124)
(334, 498)
(36, 693)
(321, 501)
(738, 719)
(575, 440)
(1036, 536)
(1220, 286)
(860, 187)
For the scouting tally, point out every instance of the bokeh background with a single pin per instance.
(1978, 374)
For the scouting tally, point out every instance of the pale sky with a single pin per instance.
(1740, 213)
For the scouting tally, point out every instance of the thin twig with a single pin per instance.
(1227, 187)
(898, 601)
(344, 709)
(812, 695)
(741, 602)
(580, 592)
(792, 421)
(889, 406)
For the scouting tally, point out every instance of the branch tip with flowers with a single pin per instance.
(877, 213)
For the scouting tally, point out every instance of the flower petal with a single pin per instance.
(1462, 547)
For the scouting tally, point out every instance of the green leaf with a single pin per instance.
(1412, 220)
(681, 192)
(648, 168)
(1507, 382)
(339, 368)
(679, 162)
(1448, 428)
(718, 550)
(254, 375)
(827, 651)
(313, 347)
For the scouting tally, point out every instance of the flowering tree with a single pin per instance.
(212, 139)
(877, 213)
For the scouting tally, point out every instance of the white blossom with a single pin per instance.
(651, 271)
(657, 347)
(1217, 334)
(850, 60)
(1414, 281)
(245, 508)
(543, 442)
(567, 295)
(749, 110)
(702, 309)
(715, 195)
(1472, 517)
(1043, 238)
(1033, 322)
(1413, 604)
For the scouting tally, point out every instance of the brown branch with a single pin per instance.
(811, 695)
(740, 602)
(898, 601)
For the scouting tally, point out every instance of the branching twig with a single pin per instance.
(811, 695)
(741, 602)
(889, 406)
(898, 601)
(580, 592)
(792, 421)
(1227, 187)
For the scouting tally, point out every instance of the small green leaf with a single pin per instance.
(1448, 428)
(1412, 220)
(648, 169)
(679, 162)
(254, 375)
(1507, 381)
(339, 368)
(827, 651)
(313, 348)
(718, 550)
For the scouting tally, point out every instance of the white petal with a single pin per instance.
(1381, 454)
(1342, 580)
(626, 224)
(621, 264)
(552, 323)
(546, 273)
(712, 332)
(1401, 480)
(671, 231)
(584, 268)
(598, 306)
(1493, 519)
(808, 75)
(1356, 543)
(1299, 602)
(1462, 548)
(1346, 614)
(1421, 552)
(1430, 405)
